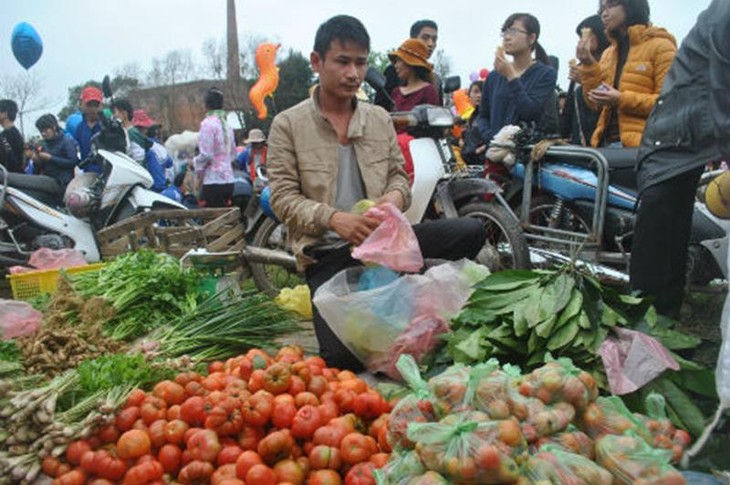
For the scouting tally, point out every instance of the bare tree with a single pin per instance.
(441, 64)
(130, 70)
(24, 89)
(214, 58)
(175, 67)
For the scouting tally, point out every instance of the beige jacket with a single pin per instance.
(302, 167)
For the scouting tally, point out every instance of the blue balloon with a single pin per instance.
(27, 44)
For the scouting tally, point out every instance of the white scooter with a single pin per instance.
(35, 213)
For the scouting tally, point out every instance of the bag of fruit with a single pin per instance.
(544, 420)
(663, 432)
(469, 447)
(609, 415)
(571, 440)
(559, 380)
(400, 469)
(491, 388)
(417, 407)
(449, 387)
(554, 465)
(631, 460)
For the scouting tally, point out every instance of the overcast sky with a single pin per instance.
(85, 39)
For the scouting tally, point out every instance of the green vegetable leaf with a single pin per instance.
(701, 382)
(572, 308)
(674, 339)
(509, 280)
(679, 403)
(563, 336)
(474, 347)
(519, 321)
(544, 328)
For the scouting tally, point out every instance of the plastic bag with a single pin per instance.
(297, 300)
(664, 434)
(629, 459)
(553, 465)
(633, 359)
(449, 388)
(18, 318)
(465, 448)
(393, 243)
(609, 415)
(400, 469)
(559, 380)
(370, 322)
(45, 258)
(416, 407)
(572, 440)
(548, 420)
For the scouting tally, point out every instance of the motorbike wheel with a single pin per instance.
(271, 278)
(541, 209)
(506, 246)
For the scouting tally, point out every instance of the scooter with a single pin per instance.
(35, 213)
(580, 202)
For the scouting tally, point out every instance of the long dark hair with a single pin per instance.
(637, 12)
(532, 25)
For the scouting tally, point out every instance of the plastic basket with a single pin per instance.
(33, 283)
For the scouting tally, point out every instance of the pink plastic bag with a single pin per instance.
(632, 360)
(393, 243)
(18, 319)
(45, 258)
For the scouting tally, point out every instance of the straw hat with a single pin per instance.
(413, 52)
(255, 136)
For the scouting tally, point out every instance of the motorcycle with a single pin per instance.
(35, 213)
(579, 202)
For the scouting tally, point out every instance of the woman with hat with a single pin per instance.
(254, 156)
(416, 75)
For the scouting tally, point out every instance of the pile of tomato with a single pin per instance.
(255, 419)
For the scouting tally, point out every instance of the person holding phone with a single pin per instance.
(625, 83)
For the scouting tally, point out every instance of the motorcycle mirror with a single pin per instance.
(451, 84)
(106, 86)
(375, 78)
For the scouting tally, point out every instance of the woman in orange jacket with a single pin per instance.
(625, 83)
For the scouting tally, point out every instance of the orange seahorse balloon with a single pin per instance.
(268, 79)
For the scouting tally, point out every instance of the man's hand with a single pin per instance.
(353, 228)
(605, 95)
(44, 156)
(394, 197)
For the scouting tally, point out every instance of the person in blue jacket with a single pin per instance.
(156, 157)
(91, 100)
(57, 158)
(522, 90)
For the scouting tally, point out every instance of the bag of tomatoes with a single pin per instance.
(663, 432)
(631, 460)
(417, 407)
(491, 388)
(560, 381)
(553, 465)
(468, 448)
(449, 388)
(571, 440)
(400, 470)
(609, 415)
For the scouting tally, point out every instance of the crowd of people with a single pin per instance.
(626, 90)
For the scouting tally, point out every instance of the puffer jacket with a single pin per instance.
(651, 52)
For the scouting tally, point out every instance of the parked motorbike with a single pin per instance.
(36, 213)
(580, 202)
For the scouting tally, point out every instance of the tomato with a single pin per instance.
(75, 450)
(329, 435)
(249, 437)
(74, 477)
(157, 433)
(260, 475)
(318, 385)
(323, 456)
(368, 405)
(328, 410)
(228, 454)
(304, 398)
(133, 443)
(245, 461)
(256, 381)
(196, 472)
(184, 377)
(356, 448)
(488, 457)
(126, 418)
(223, 473)
(152, 409)
(143, 473)
(87, 461)
(348, 422)
(510, 432)
(174, 431)
(283, 414)
(296, 385)
(305, 422)
(682, 438)
(216, 366)
(380, 459)
(204, 446)
(195, 388)
(258, 408)
(192, 411)
(246, 368)
(170, 457)
(100, 481)
(135, 398)
(107, 466)
(293, 350)
(361, 474)
(170, 392)
(277, 378)
(214, 382)
(324, 477)
(225, 420)
(276, 446)
(345, 398)
(289, 471)
(108, 434)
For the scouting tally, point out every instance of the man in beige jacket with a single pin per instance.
(330, 151)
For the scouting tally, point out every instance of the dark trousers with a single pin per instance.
(661, 240)
(216, 195)
(451, 239)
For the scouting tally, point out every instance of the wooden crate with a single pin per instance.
(175, 231)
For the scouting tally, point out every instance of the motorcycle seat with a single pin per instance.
(40, 186)
(621, 166)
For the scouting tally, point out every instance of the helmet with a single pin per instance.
(717, 196)
(82, 195)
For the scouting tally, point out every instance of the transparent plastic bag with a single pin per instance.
(571, 440)
(416, 407)
(370, 322)
(663, 432)
(45, 258)
(553, 465)
(465, 448)
(449, 388)
(18, 319)
(393, 243)
(400, 469)
(631, 460)
(560, 381)
(609, 415)
(547, 420)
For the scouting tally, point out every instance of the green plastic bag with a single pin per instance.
(629, 458)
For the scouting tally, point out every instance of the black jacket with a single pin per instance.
(690, 123)
(64, 159)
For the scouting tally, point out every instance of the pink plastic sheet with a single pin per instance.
(633, 359)
(46, 258)
(18, 319)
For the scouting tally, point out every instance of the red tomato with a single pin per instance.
(277, 378)
(324, 477)
(260, 475)
(196, 472)
(304, 398)
(328, 410)
(258, 408)
(52, 467)
(75, 450)
(318, 385)
(296, 385)
(356, 448)
(74, 477)
(170, 457)
(380, 459)
(108, 466)
(256, 381)
(283, 414)
(245, 461)
(345, 399)
(225, 420)
(143, 473)
(135, 398)
(228, 454)
(133, 443)
(108, 434)
(289, 471)
(126, 418)
(305, 422)
(175, 431)
(361, 474)
(204, 446)
(276, 446)
(170, 392)
(157, 433)
(329, 435)
(323, 456)
(368, 405)
(152, 409)
(224, 473)
(184, 377)
(249, 437)
(192, 411)
(195, 388)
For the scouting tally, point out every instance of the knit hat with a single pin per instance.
(413, 52)
(595, 23)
